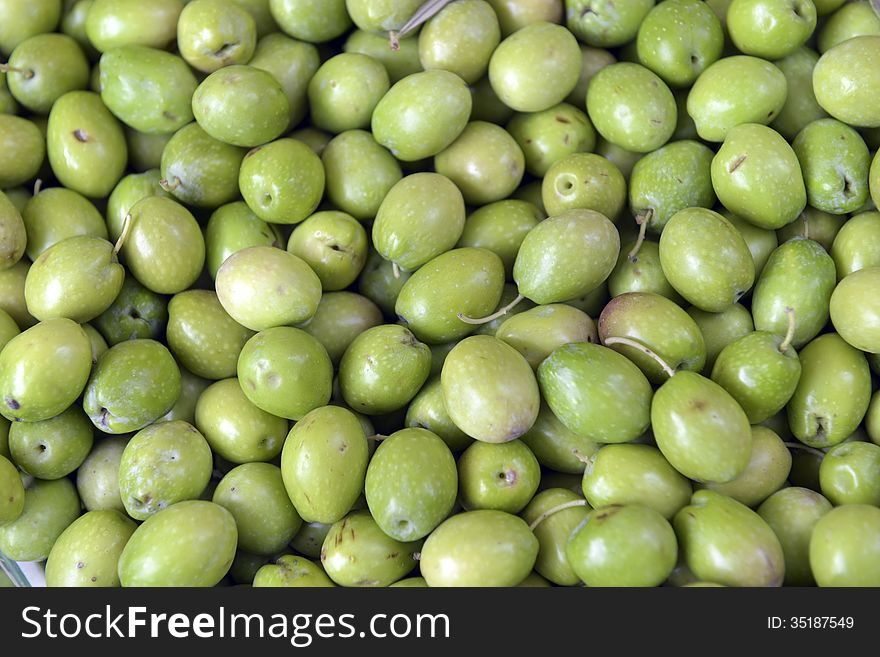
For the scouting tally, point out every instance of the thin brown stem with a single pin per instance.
(789, 335)
(580, 456)
(126, 227)
(26, 72)
(556, 509)
(488, 318)
(645, 350)
(420, 16)
(169, 186)
(642, 219)
(805, 448)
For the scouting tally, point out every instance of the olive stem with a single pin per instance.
(789, 335)
(27, 73)
(645, 350)
(395, 270)
(580, 456)
(168, 186)
(806, 448)
(488, 318)
(38, 185)
(642, 219)
(556, 509)
(420, 16)
(377, 437)
(126, 227)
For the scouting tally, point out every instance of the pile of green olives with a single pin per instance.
(440, 293)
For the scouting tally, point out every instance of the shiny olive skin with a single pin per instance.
(749, 555)
(553, 533)
(133, 384)
(135, 313)
(81, 133)
(672, 178)
(700, 428)
(660, 325)
(255, 496)
(758, 373)
(610, 407)
(472, 377)
(31, 392)
(854, 310)
(49, 508)
(190, 543)
(635, 474)
(324, 462)
(411, 484)
(833, 393)
(849, 474)
(555, 445)
(631, 107)
(163, 464)
(87, 552)
(200, 170)
(382, 369)
(857, 243)
(706, 259)
(844, 547)
(52, 448)
(479, 548)
(603, 547)
(809, 298)
(766, 472)
(537, 332)
(502, 477)
(285, 371)
(792, 513)
(466, 280)
(566, 256)
(357, 553)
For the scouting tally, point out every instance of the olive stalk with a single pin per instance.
(126, 227)
(26, 72)
(488, 318)
(805, 448)
(556, 509)
(421, 15)
(642, 219)
(789, 335)
(645, 350)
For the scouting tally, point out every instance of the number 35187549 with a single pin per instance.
(810, 623)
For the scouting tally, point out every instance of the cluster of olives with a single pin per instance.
(469, 293)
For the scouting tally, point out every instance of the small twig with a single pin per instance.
(806, 448)
(789, 336)
(420, 16)
(556, 509)
(26, 72)
(642, 219)
(645, 350)
(126, 227)
(488, 318)
(395, 270)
